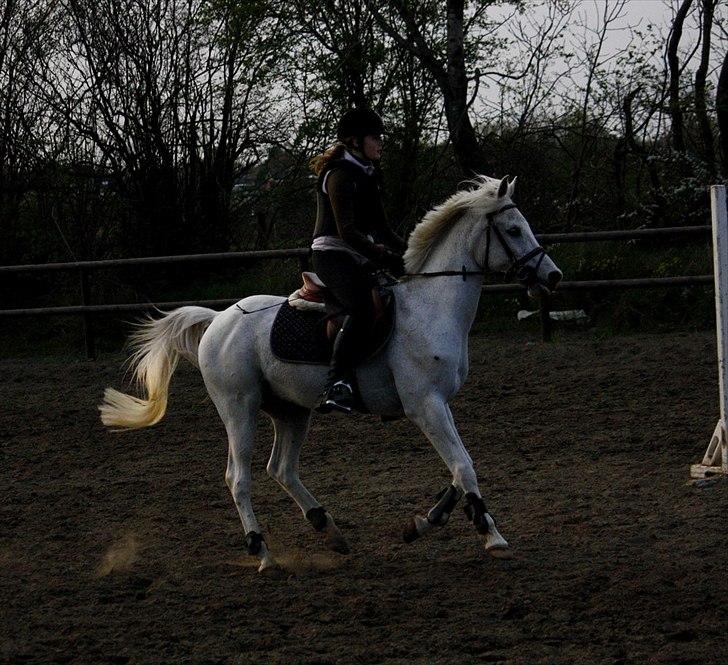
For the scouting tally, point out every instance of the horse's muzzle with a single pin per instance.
(553, 279)
(535, 286)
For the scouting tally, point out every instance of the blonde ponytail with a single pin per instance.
(319, 162)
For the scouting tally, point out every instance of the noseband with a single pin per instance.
(518, 268)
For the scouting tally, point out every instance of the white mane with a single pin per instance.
(442, 217)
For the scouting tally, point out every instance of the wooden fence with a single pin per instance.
(87, 310)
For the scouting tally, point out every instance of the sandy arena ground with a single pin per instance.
(126, 548)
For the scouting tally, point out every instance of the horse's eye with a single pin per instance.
(514, 232)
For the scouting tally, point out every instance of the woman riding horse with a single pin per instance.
(352, 239)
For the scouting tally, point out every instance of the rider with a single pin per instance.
(352, 239)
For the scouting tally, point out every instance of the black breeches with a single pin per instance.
(351, 285)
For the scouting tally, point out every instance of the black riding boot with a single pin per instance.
(339, 395)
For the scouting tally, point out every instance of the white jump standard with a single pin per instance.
(715, 460)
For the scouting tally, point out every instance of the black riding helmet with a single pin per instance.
(359, 123)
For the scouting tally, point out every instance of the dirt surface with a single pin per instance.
(127, 547)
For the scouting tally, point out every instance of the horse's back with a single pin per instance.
(236, 355)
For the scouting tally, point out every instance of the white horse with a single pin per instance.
(422, 367)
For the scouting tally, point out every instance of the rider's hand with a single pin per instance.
(395, 264)
(392, 261)
(381, 251)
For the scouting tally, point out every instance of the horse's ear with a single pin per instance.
(512, 186)
(503, 188)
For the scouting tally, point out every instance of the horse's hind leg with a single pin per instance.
(240, 418)
(290, 433)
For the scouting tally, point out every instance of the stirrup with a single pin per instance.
(339, 397)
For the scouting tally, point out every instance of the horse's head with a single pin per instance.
(509, 246)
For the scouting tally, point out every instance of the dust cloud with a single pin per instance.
(120, 556)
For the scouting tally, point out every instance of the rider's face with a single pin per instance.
(372, 147)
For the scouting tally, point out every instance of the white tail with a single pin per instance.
(157, 346)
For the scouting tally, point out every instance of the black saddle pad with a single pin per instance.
(300, 336)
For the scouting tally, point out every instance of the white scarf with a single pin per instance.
(367, 168)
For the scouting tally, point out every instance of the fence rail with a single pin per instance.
(302, 253)
(296, 253)
(629, 234)
(86, 310)
(646, 283)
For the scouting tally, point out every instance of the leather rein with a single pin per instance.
(518, 267)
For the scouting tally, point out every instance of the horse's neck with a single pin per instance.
(450, 299)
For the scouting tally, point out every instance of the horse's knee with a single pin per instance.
(279, 472)
(233, 478)
(238, 485)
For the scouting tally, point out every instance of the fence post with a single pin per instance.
(88, 333)
(545, 311)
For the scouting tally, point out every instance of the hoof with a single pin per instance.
(503, 553)
(410, 533)
(334, 539)
(419, 526)
(337, 543)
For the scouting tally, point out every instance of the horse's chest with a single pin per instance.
(444, 366)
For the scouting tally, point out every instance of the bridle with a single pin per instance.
(518, 268)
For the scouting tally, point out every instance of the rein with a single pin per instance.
(517, 267)
(463, 272)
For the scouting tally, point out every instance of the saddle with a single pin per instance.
(306, 325)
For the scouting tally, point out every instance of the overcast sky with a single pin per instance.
(636, 14)
(643, 12)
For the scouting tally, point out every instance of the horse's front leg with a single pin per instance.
(433, 416)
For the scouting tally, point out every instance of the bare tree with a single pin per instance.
(24, 29)
(441, 50)
(352, 53)
(539, 40)
(678, 129)
(636, 148)
(701, 111)
(117, 81)
(590, 68)
(28, 133)
(233, 111)
(173, 95)
(721, 106)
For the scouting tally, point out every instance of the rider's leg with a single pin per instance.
(351, 285)
(339, 390)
